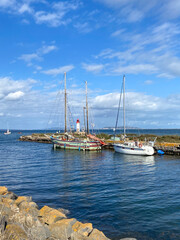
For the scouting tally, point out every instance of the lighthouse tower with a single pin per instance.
(77, 126)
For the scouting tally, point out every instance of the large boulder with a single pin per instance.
(49, 215)
(62, 229)
(97, 235)
(15, 232)
(3, 190)
(40, 232)
(82, 228)
(20, 199)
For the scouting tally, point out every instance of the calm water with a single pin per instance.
(121, 195)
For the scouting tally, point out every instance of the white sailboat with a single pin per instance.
(7, 132)
(132, 147)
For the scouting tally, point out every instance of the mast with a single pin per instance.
(84, 119)
(65, 103)
(87, 111)
(124, 106)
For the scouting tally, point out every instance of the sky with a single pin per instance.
(97, 41)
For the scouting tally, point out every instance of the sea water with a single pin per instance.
(121, 195)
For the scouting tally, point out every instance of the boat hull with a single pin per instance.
(143, 151)
(76, 145)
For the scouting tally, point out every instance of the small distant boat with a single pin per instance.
(7, 132)
(19, 132)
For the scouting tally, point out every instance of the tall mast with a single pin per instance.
(84, 119)
(65, 103)
(87, 111)
(124, 105)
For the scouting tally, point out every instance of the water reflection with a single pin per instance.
(135, 159)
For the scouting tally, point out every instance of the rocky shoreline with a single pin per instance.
(20, 219)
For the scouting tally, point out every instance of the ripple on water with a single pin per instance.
(121, 195)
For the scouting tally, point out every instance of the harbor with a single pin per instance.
(89, 120)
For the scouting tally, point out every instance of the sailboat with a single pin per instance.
(7, 132)
(132, 147)
(68, 141)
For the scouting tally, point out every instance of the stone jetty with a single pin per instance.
(41, 138)
(20, 219)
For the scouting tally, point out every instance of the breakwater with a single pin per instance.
(20, 219)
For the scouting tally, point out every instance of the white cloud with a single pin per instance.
(135, 69)
(29, 57)
(53, 19)
(57, 71)
(25, 8)
(14, 96)
(117, 33)
(38, 55)
(47, 49)
(83, 27)
(141, 109)
(148, 82)
(143, 54)
(55, 15)
(7, 3)
(93, 67)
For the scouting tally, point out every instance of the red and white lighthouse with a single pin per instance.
(78, 126)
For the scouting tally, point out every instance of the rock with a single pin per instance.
(11, 195)
(82, 228)
(15, 232)
(77, 236)
(4, 209)
(40, 233)
(97, 235)
(21, 199)
(3, 224)
(20, 219)
(62, 229)
(29, 207)
(7, 202)
(3, 190)
(49, 215)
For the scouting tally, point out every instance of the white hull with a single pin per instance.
(142, 151)
(7, 133)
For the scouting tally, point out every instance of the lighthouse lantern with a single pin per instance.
(78, 126)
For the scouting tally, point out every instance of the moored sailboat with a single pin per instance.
(132, 147)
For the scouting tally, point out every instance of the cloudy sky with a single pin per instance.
(95, 41)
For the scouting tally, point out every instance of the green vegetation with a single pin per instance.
(104, 136)
(130, 136)
(142, 137)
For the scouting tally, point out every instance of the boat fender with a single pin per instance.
(160, 152)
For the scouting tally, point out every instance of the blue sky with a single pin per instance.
(95, 41)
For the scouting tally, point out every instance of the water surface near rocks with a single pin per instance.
(121, 195)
